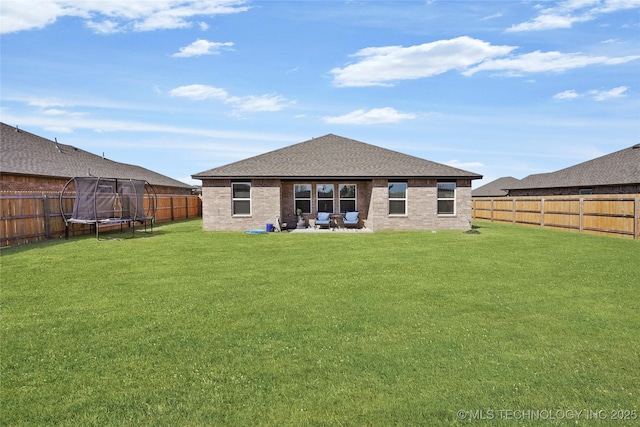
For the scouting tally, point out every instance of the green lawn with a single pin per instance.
(184, 327)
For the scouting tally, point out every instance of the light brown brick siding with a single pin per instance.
(217, 206)
(271, 197)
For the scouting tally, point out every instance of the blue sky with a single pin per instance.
(499, 88)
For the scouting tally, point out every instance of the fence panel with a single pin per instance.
(611, 215)
(26, 218)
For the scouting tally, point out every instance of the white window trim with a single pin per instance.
(405, 199)
(310, 199)
(333, 199)
(234, 199)
(454, 198)
(355, 198)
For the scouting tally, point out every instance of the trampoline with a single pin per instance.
(101, 202)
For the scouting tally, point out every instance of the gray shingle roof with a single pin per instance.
(496, 188)
(620, 167)
(333, 156)
(28, 154)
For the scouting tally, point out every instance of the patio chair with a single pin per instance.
(323, 220)
(351, 219)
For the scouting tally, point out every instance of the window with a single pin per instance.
(241, 198)
(446, 198)
(302, 197)
(348, 198)
(585, 191)
(325, 197)
(397, 198)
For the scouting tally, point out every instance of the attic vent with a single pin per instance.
(636, 146)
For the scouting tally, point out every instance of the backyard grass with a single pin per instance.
(184, 327)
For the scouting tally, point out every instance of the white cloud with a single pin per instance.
(115, 15)
(539, 62)
(379, 66)
(105, 27)
(373, 116)
(603, 95)
(251, 103)
(201, 47)
(260, 103)
(382, 66)
(565, 14)
(596, 95)
(54, 112)
(495, 15)
(199, 92)
(44, 103)
(567, 94)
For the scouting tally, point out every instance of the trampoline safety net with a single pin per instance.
(109, 201)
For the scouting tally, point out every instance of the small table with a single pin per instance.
(337, 220)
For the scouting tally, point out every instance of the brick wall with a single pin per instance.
(217, 207)
(271, 198)
(422, 205)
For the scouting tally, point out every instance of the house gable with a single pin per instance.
(332, 156)
(334, 162)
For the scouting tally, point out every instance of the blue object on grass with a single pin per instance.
(256, 231)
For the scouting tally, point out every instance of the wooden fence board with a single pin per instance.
(610, 215)
(26, 218)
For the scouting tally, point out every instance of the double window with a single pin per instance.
(446, 198)
(397, 198)
(241, 198)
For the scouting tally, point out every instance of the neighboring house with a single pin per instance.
(496, 188)
(30, 163)
(615, 173)
(390, 190)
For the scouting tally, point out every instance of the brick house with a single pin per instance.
(390, 190)
(32, 164)
(614, 173)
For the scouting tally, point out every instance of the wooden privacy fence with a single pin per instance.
(612, 215)
(26, 218)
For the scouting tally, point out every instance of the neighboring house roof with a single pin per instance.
(333, 157)
(496, 188)
(27, 154)
(619, 168)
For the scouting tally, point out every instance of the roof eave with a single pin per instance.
(335, 177)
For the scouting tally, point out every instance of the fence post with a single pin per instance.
(492, 208)
(513, 211)
(580, 216)
(47, 217)
(542, 212)
(636, 218)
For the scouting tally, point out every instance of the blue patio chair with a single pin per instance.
(351, 219)
(323, 220)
